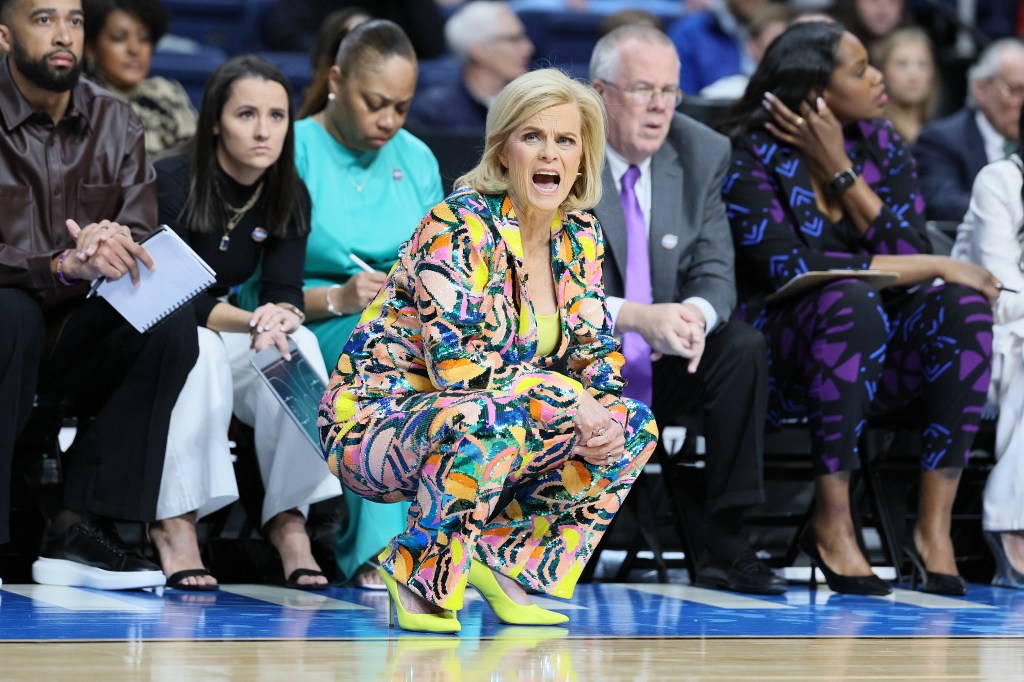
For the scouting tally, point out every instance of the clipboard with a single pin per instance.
(812, 279)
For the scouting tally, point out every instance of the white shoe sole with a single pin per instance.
(73, 574)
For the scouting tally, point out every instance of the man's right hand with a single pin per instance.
(104, 249)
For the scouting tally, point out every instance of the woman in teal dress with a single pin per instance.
(371, 182)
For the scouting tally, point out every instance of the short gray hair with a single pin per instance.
(605, 60)
(473, 23)
(987, 65)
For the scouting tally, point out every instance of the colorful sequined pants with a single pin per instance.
(840, 355)
(452, 454)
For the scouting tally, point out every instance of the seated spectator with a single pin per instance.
(767, 22)
(950, 151)
(119, 40)
(671, 289)
(712, 43)
(234, 195)
(294, 24)
(70, 216)
(461, 381)
(328, 39)
(491, 45)
(371, 182)
(907, 63)
(872, 21)
(992, 235)
(819, 182)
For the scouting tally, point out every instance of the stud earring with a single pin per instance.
(330, 96)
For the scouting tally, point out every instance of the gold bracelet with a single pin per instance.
(330, 304)
(289, 306)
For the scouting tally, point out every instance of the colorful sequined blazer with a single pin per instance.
(454, 315)
(778, 230)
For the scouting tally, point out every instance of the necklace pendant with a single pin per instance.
(224, 242)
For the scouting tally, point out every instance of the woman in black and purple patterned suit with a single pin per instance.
(820, 182)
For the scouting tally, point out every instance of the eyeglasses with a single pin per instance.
(513, 38)
(644, 94)
(1009, 91)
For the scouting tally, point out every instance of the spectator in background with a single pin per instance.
(712, 44)
(491, 44)
(328, 39)
(907, 63)
(293, 24)
(872, 20)
(119, 40)
(951, 150)
(371, 182)
(77, 194)
(767, 22)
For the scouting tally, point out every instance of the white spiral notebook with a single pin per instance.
(180, 276)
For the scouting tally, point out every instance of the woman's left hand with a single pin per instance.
(271, 316)
(600, 439)
(814, 131)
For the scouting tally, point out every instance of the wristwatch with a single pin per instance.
(844, 179)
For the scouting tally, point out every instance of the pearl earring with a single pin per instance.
(330, 96)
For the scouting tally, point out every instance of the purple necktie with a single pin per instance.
(637, 371)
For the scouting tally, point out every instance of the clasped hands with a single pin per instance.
(270, 325)
(668, 328)
(104, 249)
(600, 439)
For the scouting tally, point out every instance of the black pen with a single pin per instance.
(95, 286)
(1007, 289)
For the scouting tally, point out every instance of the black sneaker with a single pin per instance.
(85, 556)
(745, 573)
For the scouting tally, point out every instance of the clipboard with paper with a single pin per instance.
(813, 279)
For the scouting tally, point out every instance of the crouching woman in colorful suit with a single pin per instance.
(487, 364)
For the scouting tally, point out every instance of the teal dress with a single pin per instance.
(365, 204)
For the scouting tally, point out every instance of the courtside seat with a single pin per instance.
(190, 69)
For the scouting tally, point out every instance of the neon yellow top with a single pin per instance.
(549, 333)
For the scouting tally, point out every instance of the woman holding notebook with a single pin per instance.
(819, 181)
(234, 195)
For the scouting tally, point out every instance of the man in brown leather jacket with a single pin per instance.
(76, 193)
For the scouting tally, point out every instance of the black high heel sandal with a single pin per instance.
(845, 584)
(933, 583)
(1007, 574)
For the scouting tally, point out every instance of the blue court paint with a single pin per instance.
(600, 610)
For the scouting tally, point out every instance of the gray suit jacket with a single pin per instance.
(690, 241)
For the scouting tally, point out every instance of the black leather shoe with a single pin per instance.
(744, 573)
(934, 583)
(845, 584)
(85, 556)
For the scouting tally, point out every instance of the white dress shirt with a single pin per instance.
(995, 144)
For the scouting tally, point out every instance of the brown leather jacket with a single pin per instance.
(89, 167)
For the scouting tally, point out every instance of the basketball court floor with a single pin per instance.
(637, 631)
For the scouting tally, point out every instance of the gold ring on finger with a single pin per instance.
(799, 121)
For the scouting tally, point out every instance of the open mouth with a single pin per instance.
(546, 182)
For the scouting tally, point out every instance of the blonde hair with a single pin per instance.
(521, 100)
(903, 36)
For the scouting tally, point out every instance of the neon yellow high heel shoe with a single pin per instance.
(505, 608)
(444, 622)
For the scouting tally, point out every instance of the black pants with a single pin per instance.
(729, 390)
(89, 357)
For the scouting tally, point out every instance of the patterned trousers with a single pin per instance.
(452, 453)
(841, 354)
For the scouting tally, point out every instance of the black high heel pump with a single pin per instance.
(934, 583)
(846, 584)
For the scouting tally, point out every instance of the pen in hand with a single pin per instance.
(1008, 290)
(363, 265)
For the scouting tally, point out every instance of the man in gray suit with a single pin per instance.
(669, 278)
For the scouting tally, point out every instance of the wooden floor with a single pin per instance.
(521, 658)
(632, 631)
